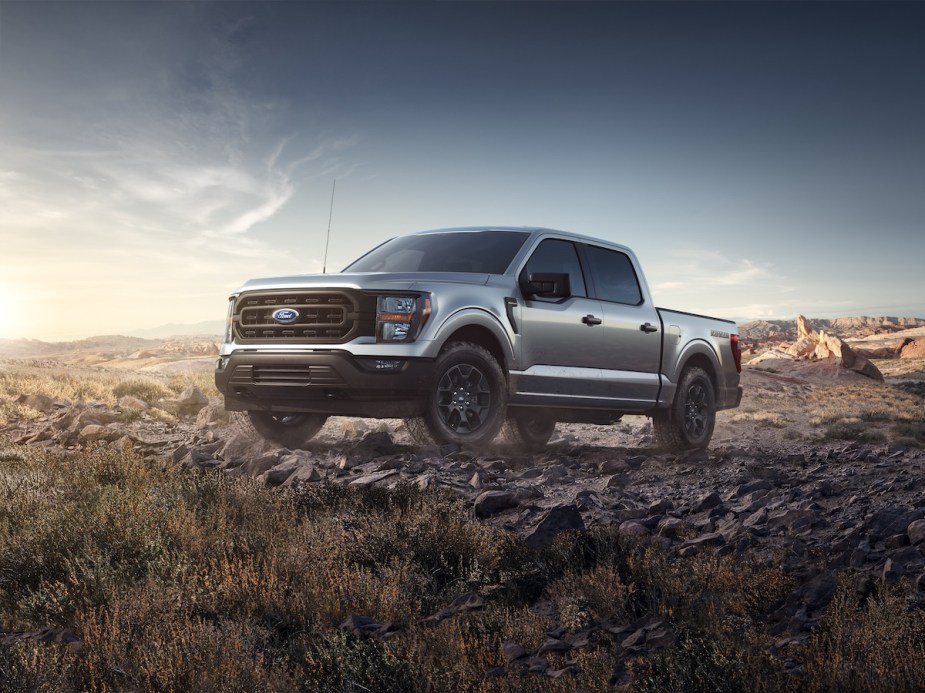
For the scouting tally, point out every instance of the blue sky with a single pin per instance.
(763, 159)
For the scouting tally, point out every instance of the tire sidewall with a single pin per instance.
(691, 377)
(480, 358)
(292, 436)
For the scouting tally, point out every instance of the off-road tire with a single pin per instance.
(291, 430)
(688, 423)
(530, 432)
(417, 431)
(467, 397)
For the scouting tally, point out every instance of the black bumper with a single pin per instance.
(331, 382)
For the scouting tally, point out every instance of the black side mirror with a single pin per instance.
(546, 285)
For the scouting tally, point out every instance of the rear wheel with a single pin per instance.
(688, 423)
(466, 402)
(289, 429)
(529, 431)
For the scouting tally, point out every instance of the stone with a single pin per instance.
(490, 503)
(258, 465)
(671, 527)
(39, 402)
(189, 403)
(706, 502)
(554, 645)
(241, 447)
(373, 477)
(916, 532)
(913, 350)
(279, 474)
(127, 402)
(613, 466)
(793, 519)
(212, 415)
(470, 601)
(377, 444)
(633, 528)
(513, 650)
(94, 433)
(889, 521)
(562, 518)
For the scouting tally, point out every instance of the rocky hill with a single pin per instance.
(770, 332)
(116, 351)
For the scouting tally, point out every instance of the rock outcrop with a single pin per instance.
(812, 345)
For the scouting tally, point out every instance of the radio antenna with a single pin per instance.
(324, 266)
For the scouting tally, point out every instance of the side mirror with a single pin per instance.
(546, 285)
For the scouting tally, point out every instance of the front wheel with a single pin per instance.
(291, 430)
(466, 401)
(688, 423)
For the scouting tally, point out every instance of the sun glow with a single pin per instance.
(9, 313)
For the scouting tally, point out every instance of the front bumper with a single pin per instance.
(333, 382)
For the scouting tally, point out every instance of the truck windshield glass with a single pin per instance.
(482, 252)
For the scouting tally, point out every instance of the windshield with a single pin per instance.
(484, 252)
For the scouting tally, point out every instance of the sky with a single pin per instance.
(764, 160)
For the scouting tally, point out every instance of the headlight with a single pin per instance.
(400, 318)
(229, 321)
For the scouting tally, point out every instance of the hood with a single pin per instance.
(364, 281)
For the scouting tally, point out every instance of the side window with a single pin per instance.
(553, 255)
(614, 277)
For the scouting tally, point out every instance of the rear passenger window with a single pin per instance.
(613, 276)
(554, 255)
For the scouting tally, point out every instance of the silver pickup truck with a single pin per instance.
(465, 331)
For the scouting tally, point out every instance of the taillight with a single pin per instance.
(736, 351)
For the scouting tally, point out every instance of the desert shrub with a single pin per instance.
(710, 661)
(768, 418)
(142, 388)
(848, 429)
(909, 432)
(876, 645)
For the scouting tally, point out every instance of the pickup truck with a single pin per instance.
(466, 331)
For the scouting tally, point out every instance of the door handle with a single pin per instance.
(590, 320)
(648, 328)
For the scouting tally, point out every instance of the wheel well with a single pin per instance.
(703, 362)
(481, 336)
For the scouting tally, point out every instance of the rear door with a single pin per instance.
(631, 328)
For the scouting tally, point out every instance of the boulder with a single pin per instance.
(93, 433)
(913, 350)
(492, 502)
(132, 404)
(39, 402)
(559, 519)
(189, 403)
(212, 415)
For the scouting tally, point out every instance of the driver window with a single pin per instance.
(554, 255)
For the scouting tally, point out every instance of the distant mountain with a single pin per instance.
(204, 328)
(864, 326)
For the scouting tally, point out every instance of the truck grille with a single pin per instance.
(323, 317)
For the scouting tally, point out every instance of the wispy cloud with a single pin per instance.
(162, 198)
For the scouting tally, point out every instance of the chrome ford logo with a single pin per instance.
(285, 316)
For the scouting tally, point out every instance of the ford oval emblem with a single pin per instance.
(285, 316)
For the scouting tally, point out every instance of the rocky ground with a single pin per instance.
(769, 486)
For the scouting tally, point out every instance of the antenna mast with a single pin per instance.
(324, 266)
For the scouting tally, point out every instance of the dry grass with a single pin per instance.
(92, 386)
(869, 413)
(188, 581)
